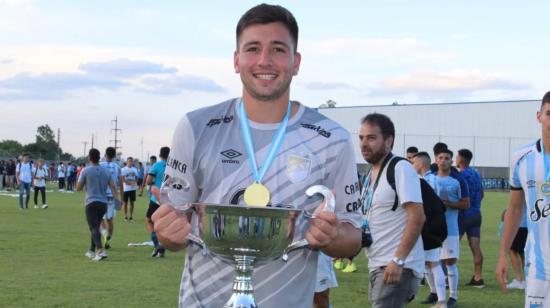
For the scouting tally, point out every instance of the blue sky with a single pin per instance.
(77, 64)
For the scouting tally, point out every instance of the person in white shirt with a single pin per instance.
(61, 176)
(23, 178)
(129, 176)
(39, 175)
(396, 255)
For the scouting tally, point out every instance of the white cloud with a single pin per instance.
(125, 68)
(454, 83)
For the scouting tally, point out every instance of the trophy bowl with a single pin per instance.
(261, 233)
(245, 236)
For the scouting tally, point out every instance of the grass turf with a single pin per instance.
(42, 262)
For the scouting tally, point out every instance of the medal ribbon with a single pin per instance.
(545, 163)
(273, 147)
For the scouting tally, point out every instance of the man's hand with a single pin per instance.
(323, 229)
(502, 272)
(392, 273)
(171, 226)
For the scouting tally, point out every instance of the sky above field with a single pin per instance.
(75, 65)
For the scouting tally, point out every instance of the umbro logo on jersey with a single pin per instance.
(220, 120)
(230, 155)
(531, 184)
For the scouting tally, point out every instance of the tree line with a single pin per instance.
(45, 146)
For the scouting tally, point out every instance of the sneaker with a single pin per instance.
(350, 268)
(90, 254)
(155, 252)
(130, 219)
(126, 219)
(441, 304)
(44, 206)
(515, 284)
(161, 252)
(431, 299)
(451, 302)
(476, 283)
(35, 206)
(100, 256)
(338, 264)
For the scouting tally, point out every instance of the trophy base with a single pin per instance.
(240, 300)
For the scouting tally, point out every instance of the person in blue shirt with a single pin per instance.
(140, 177)
(469, 221)
(449, 190)
(155, 177)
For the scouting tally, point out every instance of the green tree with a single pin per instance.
(10, 148)
(44, 134)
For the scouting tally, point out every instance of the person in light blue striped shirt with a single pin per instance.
(530, 185)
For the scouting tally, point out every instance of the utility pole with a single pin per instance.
(116, 130)
(85, 144)
(92, 140)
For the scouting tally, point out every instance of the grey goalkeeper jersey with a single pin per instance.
(209, 153)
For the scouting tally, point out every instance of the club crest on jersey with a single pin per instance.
(545, 188)
(297, 168)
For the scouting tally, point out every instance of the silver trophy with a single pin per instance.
(244, 236)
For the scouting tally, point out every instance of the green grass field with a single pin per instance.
(42, 262)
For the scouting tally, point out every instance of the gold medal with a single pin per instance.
(256, 195)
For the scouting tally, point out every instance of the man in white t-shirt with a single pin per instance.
(396, 255)
(530, 192)
(61, 176)
(129, 182)
(23, 178)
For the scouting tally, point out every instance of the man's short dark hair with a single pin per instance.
(266, 14)
(466, 154)
(438, 147)
(422, 154)
(446, 151)
(164, 152)
(153, 157)
(129, 157)
(383, 122)
(545, 99)
(110, 152)
(412, 149)
(25, 154)
(94, 155)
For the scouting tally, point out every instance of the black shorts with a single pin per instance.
(129, 195)
(518, 245)
(471, 225)
(139, 182)
(152, 208)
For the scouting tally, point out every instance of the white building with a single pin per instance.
(491, 130)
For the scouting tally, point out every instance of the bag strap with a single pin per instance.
(390, 175)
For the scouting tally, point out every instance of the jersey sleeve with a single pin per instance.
(342, 177)
(515, 183)
(407, 183)
(179, 166)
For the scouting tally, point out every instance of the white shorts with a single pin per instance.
(432, 255)
(450, 248)
(111, 213)
(326, 278)
(537, 293)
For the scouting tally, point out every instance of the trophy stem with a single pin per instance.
(242, 296)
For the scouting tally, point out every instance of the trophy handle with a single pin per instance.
(330, 206)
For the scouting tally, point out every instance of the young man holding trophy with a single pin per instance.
(260, 150)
